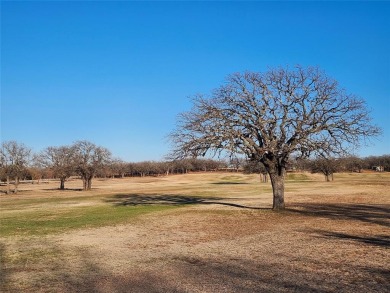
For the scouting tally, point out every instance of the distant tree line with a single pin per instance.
(118, 168)
(329, 166)
(83, 159)
(87, 161)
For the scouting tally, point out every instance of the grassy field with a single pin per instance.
(204, 232)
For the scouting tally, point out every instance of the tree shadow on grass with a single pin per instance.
(172, 200)
(375, 214)
(242, 275)
(366, 213)
(82, 270)
(377, 240)
(229, 183)
(65, 189)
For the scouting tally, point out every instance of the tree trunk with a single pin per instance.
(89, 187)
(8, 186)
(16, 184)
(62, 183)
(277, 181)
(85, 183)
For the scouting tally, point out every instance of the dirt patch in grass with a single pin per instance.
(333, 237)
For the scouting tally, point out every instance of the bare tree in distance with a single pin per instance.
(378, 161)
(119, 167)
(326, 166)
(14, 158)
(271, 116)
(354, 164)
(256, 167)
(61, 160)
(37, 169)
(89, 159)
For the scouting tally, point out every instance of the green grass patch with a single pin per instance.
(297, 177)
(232, 178)
(21, 203)
(49, 221)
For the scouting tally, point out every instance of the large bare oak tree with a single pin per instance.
(61, 160)
(270, 116)
(14, 158)
(89, 159)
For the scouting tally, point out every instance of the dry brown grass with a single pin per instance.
(333, 237)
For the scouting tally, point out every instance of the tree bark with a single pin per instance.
(8, 186)
(16, 184)
(85, 184)
(62, 183)
(89, 186)
(277, 181)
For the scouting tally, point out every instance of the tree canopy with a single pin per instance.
(14, 158)
(61, 160)
(89, 158)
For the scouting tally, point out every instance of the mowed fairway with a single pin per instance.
(201, 232)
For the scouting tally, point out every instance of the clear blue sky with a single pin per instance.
(118, 73)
